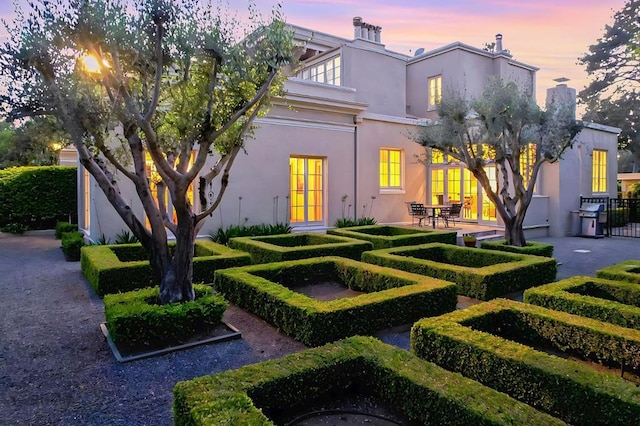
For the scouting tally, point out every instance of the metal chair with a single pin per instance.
(416, 210)
(450, 213)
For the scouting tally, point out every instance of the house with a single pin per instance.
(338, 144)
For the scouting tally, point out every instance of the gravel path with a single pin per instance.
(55, 366)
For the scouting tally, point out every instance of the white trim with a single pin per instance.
(306, 124)
(601, 127)
(390, 119)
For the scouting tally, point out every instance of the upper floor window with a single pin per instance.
(527, 160)
(327, 72)
(437, 156)
(599, 169)
(435, 91)
(390, 168)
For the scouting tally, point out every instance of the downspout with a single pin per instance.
(355, 167)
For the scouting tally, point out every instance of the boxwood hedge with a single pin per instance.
(610, 301)
(137, 319)
(123, 267)
(393, 297)
(469, 342)
(535, 248)
(384, 236)
(424, 392)
(278, 248)
(479, 273)
(629, 270)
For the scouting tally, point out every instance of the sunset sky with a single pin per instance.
(550, 35)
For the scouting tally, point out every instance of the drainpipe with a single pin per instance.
(355, 167)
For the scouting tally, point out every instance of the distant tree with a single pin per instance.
(497, 130)
(613, 63)
(35, 143)
(155, 78)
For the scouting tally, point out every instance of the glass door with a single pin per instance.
(306, 189)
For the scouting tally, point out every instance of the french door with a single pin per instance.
(306, 190)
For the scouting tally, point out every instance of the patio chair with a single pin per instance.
(416, 210)
(450, 213)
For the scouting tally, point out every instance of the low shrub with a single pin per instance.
(345, 222)
(223, 235)
(383, 236)
(393, 297)
(629, 270)
(125, 237)
(483, 274)
(534, 248)
(610, 301)
(469, 341)
(277, 248)
(424, 392)
(14, 228)
(72, 243)
(119, 268)
(62, 227)
(137, 319)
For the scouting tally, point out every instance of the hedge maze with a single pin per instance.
(383, 236)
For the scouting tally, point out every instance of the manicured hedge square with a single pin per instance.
(137, 319)
(533, 247)
(469, 342)
(278, 248)
(424, 392)
(610, 301)
(479, 273)
(124, 267)
(384, 236)
(629, 270)
(393, 297)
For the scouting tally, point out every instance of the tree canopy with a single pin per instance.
(176, 82)
(500, 129)
(613, 63)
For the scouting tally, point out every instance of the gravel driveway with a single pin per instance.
(55, 366)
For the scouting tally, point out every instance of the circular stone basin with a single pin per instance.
(341, 417)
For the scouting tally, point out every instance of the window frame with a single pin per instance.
(433, 99)
(400, 174)
(599, 171)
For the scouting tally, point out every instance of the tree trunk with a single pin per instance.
(176, 284)
(513, 232)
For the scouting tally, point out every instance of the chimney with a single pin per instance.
(357, 27)
(498, 47)
(563, 95)
(377, 34)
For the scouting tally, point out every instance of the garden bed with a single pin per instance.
(478, 273)
(139, 326)
(384, 236)
(277, 391)
(125, 267)
(483, 342)
(278, 248)
(610, 301)
(392, 297)
(629, 270)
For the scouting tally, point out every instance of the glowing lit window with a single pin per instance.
(306, 189)
(390, 168)
(599, 170)
(437, 156)
(527, 160)
(435, 91)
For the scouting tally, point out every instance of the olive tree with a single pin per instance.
(177, 81)
(495, 130)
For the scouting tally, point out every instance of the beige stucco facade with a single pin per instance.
(367, 102)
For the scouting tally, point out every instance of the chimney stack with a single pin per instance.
(499, 43)
(562, 95)
(366, 31)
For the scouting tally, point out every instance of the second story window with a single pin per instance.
(327, 72)
(435, 91)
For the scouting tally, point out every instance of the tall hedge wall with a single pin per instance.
(38, 197)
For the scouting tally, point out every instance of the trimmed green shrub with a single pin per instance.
(64, 227)
(137, 319)
(120, 268)
(72, 243)
(533, 247)
(629, 270)
(37, 197)
(483, 274)
(424, 392)
(14, 228)
(384, 236)
(469, 341)
(346, 222)
(610, 301)
(277, 248)
(393, 297)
